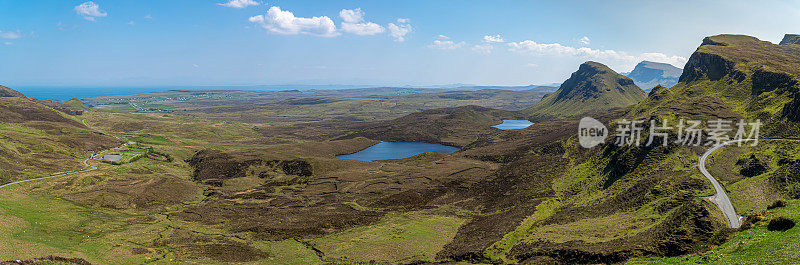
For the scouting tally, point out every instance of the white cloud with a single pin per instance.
(354, 23)
(483, 48)
(446, 45)
(367, 28)
(239, 3)
(195, 66)
(8, 43)
(495, 38)
(403, 20)
(585, 40)
(531, 65)
(352, 15)
(284, 22)
(10, 34)
(663, 58)
(89, 11)
(443, 37)
(131, 23)
(398, 32)
(148, 16)
(617, 58)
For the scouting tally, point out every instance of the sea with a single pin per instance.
(62, 94)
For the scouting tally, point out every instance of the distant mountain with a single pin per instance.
(648, 74)
(538, 88)
(791, 39)
(594, 87)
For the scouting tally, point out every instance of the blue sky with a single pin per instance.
(251, 42)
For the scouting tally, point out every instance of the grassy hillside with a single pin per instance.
(275, 193)
(75, 105)
(593, 88)
(37, 141)
(733, 77)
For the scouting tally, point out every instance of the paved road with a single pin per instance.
(721, 198)
(85, 162)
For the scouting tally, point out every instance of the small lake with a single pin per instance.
(396, 150)
(513, 124)
(367, 98)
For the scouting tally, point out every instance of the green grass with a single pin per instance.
(56, 226)
(753, 246)
(396, 238)
(151, 139)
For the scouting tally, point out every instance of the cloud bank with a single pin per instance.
(284, 22)
(619, 58)
(90, 11)
(239, 3)
(354, 23)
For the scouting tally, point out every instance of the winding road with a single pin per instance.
(85, 162)
(721, 198)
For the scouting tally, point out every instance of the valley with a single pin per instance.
(269, 177)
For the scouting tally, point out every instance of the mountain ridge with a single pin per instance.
(649, 74)
(593, 87)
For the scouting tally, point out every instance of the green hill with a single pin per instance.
(735, 76)
(74, 105)
(36, 140)
(593, 88)
(9, 93)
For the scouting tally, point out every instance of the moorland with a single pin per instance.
(252, 177)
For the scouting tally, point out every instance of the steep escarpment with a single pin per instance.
(789, 39)
(747, 77)
(593, 88)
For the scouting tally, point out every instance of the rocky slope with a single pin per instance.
(790, 39)
(647, 75)
(736, 76)
(593, 88)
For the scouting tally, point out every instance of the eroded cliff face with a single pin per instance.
(706, 65)
(791, 39)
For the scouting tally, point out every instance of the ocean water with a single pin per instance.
(396, 150)
(513, 124)
(63, 94)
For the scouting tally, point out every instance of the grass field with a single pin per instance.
(757, 245)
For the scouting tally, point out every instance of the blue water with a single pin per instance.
(63, 94)
(513, 124)
(367, 98)
(396, 150)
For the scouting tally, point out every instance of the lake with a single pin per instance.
(396, 150)
(513, 124)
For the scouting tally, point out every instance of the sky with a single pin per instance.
(103, 43)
